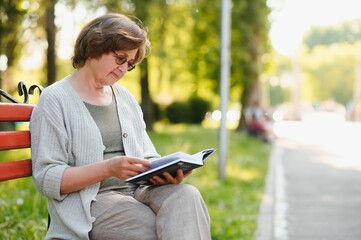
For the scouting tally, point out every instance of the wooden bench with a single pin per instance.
(13, 112)
(9, 140)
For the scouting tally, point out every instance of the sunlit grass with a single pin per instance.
(233, 203)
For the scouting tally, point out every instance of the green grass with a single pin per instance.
(233, 203)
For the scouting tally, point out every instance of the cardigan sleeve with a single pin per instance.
(48, 147)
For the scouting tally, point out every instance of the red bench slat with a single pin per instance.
(14, 140)
(15, 169)
(15, 112)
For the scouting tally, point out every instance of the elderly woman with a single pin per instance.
(88, 136)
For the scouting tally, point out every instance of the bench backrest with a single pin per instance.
(9, 140)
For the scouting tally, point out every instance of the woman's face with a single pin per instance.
(107, 70)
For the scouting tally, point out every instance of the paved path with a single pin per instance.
(313, 187)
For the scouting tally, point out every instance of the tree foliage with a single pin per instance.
(329, 73)
(345, 32)
(329, 60)
(185, 37)
(11, 16)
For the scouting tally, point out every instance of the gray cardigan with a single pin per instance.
(64, 134)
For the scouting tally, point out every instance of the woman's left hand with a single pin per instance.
(169, 179)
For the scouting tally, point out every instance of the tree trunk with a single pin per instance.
(251, 92)
(147, 104)
(249, 95)
(51, 36)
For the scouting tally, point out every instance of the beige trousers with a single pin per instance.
(168, 212)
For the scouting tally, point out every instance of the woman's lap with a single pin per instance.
(156, 212)
(180, 211)
(120, 216)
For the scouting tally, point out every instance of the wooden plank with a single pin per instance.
(14, 140)
(15, 112)
(15, 169)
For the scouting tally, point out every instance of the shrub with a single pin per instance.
(192, 111)
(198, 108)
(177, 112)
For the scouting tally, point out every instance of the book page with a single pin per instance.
(170, 163)
(169, 158)
(203, 155)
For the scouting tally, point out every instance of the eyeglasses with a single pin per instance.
(121, 59)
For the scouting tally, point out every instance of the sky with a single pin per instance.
(290, 19)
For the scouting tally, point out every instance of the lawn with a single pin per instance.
(233, 202)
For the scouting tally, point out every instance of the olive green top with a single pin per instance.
(106, 118)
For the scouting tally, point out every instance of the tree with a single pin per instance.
(185, 37)
(249, 38)
(147, 103)
(345, 32)
(50, 29)
(204, 47)
(329, 73)
(248, 44)
(11, 17)
(329, 60)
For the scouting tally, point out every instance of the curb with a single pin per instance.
(265, 223)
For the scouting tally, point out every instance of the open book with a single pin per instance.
(171, 163)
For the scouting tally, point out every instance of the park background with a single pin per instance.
(279, 57)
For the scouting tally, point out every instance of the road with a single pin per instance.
(313, 189)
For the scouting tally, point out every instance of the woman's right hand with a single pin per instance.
(124, 167)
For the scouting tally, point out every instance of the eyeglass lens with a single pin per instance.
(121, 59)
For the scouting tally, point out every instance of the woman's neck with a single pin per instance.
(89, 90)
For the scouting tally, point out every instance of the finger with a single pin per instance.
(180, 176)
(158, 180)
(170, 178)
(135, 161)
(136, 164)
(152, 181)
(130, 173)
(187, 174)
(125, 174)
(180, 173)
(136, 168)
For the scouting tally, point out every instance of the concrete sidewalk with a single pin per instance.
(313, 192)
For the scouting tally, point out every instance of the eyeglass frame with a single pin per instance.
(121, 62)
